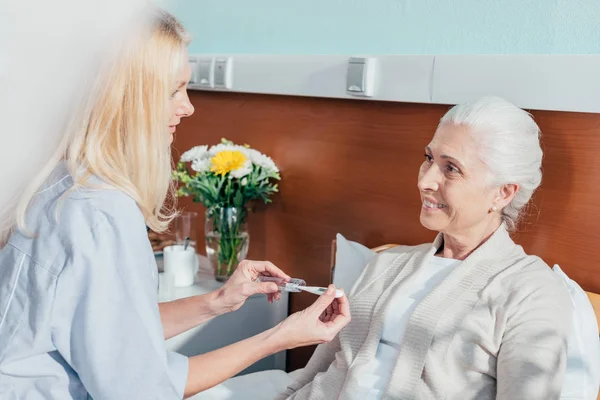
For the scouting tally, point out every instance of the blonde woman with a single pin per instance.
(79, 316)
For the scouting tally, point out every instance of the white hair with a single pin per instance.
(509, 144)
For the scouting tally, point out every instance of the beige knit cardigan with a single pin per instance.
(495, 328)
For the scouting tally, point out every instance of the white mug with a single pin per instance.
(180, 264)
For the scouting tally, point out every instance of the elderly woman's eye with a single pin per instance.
(428, 158)
(452, 168)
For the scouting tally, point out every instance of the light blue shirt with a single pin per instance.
(79, 311)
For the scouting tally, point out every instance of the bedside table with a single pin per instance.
(255, 316)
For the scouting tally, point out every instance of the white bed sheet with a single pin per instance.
(263, 385)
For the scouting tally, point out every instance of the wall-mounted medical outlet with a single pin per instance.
(202, 72)
(211, 72)
(223, 71)
(360, 76)
(194, 67)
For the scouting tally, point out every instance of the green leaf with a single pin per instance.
(238, 200)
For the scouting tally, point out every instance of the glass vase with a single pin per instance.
(227, 239)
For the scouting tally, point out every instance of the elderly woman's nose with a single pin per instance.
(429, 179)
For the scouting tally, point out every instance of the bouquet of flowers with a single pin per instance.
(224, 178)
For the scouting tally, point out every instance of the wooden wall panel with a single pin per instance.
(351, 167)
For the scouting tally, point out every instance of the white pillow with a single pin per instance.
(582, 377)
(350, 260)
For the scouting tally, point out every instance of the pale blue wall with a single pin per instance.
(391, 26)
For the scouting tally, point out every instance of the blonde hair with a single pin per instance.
(120, 133)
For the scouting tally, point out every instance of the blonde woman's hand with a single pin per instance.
(317, 324)
(243, 283)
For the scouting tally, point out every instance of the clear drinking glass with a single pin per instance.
(186, 225)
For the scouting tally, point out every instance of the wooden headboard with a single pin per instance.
(351, 167)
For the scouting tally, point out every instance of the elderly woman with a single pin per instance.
(470, 316)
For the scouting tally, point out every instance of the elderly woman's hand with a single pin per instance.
(317, 324)
(243, 284)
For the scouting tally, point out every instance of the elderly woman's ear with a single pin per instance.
(505, 195)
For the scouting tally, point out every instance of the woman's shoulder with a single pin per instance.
(106, 203)
(60, 200)
(529, 271)
(91, 215)
(528, 280)
(61, 218)
(87, 207)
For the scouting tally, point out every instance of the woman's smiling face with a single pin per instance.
(453, 183)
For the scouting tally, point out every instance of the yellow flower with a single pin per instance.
(227, 161)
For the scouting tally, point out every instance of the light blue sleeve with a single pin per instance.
(106, 313)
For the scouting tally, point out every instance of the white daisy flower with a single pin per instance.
(242, 171)
(195, 153)
(262, 160)
(231, 147)
(201, 165)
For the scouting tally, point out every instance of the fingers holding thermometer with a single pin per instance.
(320, 290)
(297, 285)
(319, 323)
